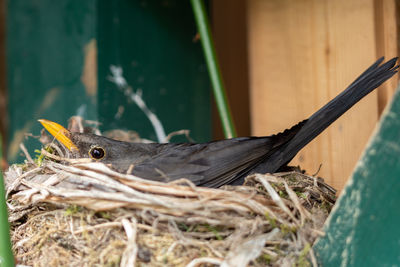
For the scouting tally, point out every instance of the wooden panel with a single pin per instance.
(153, 43)
(302, 54)
(230, 35)
(46, 55)
(386, 32)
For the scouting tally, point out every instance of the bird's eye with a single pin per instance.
(97, 153)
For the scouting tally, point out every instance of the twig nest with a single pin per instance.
(81, 213)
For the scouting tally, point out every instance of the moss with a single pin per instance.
(286, 229)
(104, 214)
(301, 195)
(272, 221)
(302, 261)
(265, 259)
(215, 231)
(113, 261)
(283, 194)
(72, 210)
(165, 259)
(292, 178)
(39, 157)
(184, 227)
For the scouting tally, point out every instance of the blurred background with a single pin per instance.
(281, 60)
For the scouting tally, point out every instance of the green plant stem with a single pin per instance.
(6, 255)
(213, 68)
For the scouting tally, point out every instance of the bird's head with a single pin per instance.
(97, 148)
(119, 155)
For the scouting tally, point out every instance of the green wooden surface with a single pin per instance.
(153, 41)
(364, 228)
(46, 43)
(48, 46)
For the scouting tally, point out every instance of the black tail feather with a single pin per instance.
(373, 77)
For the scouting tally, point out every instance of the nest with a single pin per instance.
(86, 214)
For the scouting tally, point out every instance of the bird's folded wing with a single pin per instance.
(211, 164)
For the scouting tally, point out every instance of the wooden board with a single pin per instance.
(386, 34)
(301, 55)
(363, 229)
(230, 36)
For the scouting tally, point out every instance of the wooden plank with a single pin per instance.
(230, 36)
(302, 54)
(386, 32)
(363, 229)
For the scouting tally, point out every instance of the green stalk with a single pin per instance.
(6, 255)
(213, 67)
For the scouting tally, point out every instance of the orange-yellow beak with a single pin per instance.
(59, 133)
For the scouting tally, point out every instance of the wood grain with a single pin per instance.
(229, 29)
(301, 55)
(386, 32)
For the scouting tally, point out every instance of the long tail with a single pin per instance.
(373, 77)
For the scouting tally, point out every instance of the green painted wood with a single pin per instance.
(50, 62)
(153, 41)
(364, 228)
(46, 43)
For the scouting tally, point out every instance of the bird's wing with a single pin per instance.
(211, 164)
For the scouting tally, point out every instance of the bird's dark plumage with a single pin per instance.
(217, 163)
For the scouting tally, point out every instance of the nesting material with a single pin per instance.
(86, 214)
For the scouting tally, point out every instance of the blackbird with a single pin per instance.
(218, 163)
